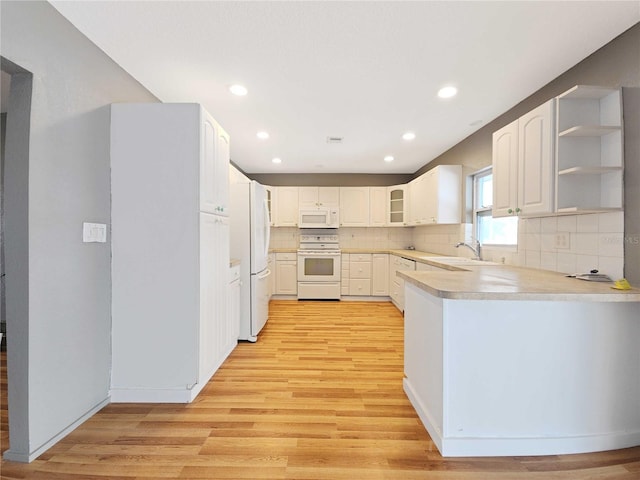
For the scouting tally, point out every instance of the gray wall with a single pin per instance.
(60, 340)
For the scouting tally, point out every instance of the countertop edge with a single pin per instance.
(564, 296)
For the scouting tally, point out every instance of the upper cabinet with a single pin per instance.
(436, 196)
(377, 206)
(214, 164)
(285, 206)
(589, 150)
(523, 166)
(564, 157)
(312, 198)
(354, 206)
(397, 205)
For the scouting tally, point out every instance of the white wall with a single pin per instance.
(64, 333)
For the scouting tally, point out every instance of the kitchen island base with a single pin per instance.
(523, 377)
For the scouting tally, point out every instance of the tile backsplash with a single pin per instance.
(573, 243)
(567, 244)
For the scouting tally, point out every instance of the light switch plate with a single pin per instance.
(94, 232)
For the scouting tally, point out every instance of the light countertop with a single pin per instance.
(502, 282)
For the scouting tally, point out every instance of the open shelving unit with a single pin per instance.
(589, 155)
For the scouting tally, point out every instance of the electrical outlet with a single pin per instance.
(561, 240)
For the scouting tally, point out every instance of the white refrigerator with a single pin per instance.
(249, 242)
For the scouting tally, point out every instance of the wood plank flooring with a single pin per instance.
(319, 396)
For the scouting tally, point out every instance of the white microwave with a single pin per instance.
(322, 218)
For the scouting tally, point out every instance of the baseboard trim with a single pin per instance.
(12, 456)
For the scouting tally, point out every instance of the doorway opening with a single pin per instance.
(16, 85)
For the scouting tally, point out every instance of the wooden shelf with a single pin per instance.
(588, 170)
(589, 131)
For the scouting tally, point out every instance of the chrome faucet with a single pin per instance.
(476, 250)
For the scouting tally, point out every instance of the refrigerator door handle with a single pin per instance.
(264, 275)
(267, 229)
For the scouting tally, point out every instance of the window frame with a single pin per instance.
(480, 211)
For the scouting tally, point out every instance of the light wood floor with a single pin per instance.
(319, 396)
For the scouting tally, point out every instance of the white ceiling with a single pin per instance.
(365, 71)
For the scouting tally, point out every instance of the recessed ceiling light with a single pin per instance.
(409, 136)
(276, 160)
(239, 90)
(388, 158)
(447, 92)
(262, 135)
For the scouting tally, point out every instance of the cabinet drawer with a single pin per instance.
(286, 256)
(360, 270)
(360, 257)
(360, 286)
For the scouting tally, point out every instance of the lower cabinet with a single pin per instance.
(380, 275)
(365, 274)
(396, 284)
(286, 273)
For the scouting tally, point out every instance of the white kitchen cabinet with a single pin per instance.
(354, 206)
(365, 274)
(357, 274)
(396, 284)
(380, 275)
(505, 170)
(417, 198)
(312, 198)
(589, 150)
(436, 196)
(397, 205)
(170, 241)
(286, 273)
(286, 206)
(377, 206)
(523, 164)
(234, 303)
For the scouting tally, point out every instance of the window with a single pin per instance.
(489, 230)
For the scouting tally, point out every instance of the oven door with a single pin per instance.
(319, 267)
